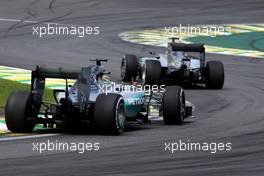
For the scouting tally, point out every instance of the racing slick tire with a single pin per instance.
(109, 113)
(151, 73)
(129, 67)
(19, 114)
(173, 105)
(215, 75)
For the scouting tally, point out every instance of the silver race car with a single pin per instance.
(183, 64)
(94, 100)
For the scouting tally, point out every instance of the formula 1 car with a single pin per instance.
(92, 99)
(177, 66)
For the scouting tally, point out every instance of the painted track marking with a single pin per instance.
(28, 137)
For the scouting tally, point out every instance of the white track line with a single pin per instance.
(27, 137)
(16, 20)
(35, 22)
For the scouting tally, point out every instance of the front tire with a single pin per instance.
(215, 75)
(109, 113)
(129, 68)
(151, 72)
(19, 114)
(173, 105)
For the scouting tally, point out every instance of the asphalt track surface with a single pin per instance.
(234, 114)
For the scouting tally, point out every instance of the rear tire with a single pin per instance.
(173, 105)
(19, 114)
(215, 75)
(151, 73)
(129, 68)
(109, 113)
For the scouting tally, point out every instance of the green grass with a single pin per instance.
(244, 41)
(7, 86)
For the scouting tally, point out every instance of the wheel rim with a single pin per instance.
(144, 74)
(30, 114)
(120, 116)
(182, 105)
(123, 69)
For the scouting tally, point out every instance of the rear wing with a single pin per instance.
(83, 75)
(187, 47)
(57, 72)
(190, 48)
